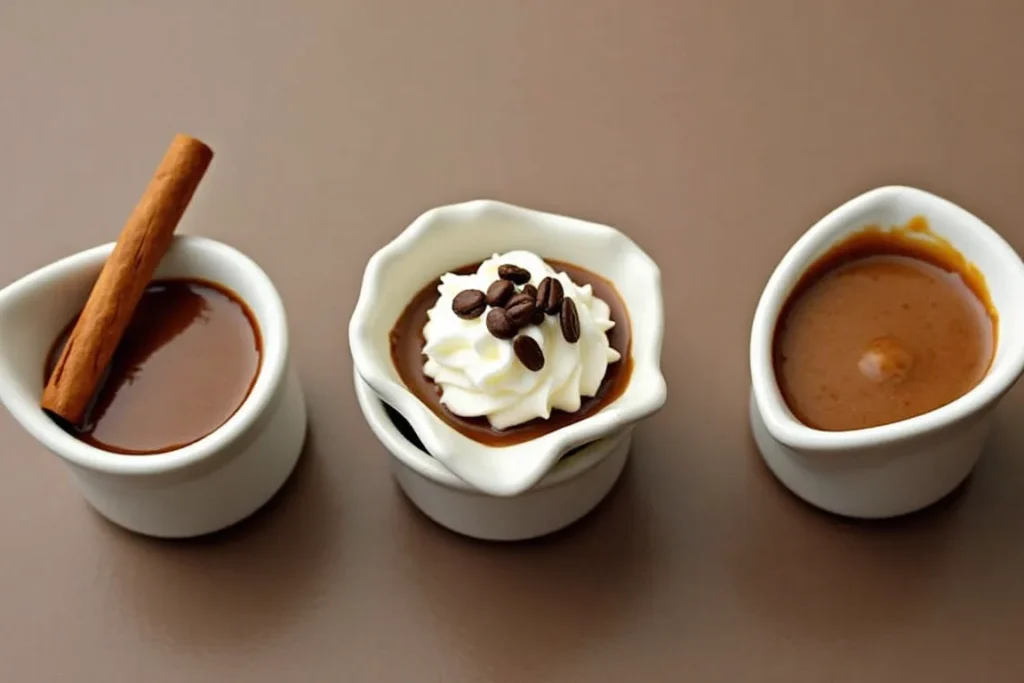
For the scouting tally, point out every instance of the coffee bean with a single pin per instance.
(500, 292)
(538, 317)
(499, 325)
(529, 353)
(550, 295)
(515, 274)
(520, 310)
(469, 304)
(517, 298)
(570, 321)
(529, 290)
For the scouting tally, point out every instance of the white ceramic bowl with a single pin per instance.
(448, 237)
(567, 493)
(205, 486)
(901, 467)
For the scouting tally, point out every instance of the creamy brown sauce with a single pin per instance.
(883, 327)
(183, 367)
(407, 343)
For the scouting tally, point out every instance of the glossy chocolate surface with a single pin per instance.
(183, 367)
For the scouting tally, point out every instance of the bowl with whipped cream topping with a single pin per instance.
(508, 338)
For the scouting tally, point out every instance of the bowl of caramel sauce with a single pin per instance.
(879, 347)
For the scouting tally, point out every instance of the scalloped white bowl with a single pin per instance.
(451, 236)
(901, 467)
(566, 494)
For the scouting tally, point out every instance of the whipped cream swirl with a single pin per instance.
(480, 375)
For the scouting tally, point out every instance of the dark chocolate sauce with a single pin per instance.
(185, 364)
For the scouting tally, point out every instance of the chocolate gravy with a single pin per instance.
(185, 364)
(407, 354)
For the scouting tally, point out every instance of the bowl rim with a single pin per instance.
(779, 420)
(440, 439)
(397, 445)
(269, 315)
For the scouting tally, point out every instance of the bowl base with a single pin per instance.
(849, 486)
(538, 512)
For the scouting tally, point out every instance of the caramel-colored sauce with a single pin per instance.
(887, 325)
(407, 343)
(185, 364)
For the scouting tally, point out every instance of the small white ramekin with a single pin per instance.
(451, 236)
(897, 468)
(205, 486)
(566, 494)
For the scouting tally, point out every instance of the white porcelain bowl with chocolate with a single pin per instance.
(904, 466)
(564, 495)
(450, 237)
(200, 488)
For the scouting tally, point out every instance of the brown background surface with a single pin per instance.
(713, 132)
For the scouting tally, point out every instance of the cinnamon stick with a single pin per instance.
(143, 242)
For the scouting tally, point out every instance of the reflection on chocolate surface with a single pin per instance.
(183, 367)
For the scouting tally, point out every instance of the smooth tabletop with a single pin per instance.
(713, 132)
